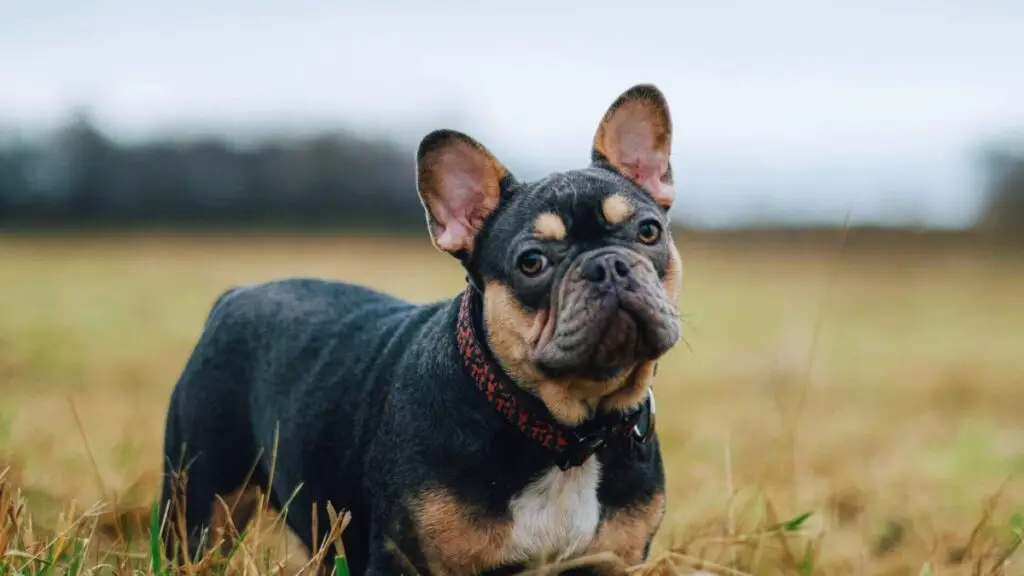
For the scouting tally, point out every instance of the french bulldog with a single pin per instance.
(509, 425)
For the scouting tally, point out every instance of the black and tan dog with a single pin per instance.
(508, 425)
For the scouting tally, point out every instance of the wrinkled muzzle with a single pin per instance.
(608, 313)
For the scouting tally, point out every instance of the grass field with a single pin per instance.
(881, 392)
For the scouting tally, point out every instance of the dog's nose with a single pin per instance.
(606, 269)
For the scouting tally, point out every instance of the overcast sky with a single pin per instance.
(801, 107)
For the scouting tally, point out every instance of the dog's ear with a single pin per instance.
(635, 137)
(459, 183)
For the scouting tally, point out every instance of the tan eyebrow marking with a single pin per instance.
(616, 208)
(549, 226)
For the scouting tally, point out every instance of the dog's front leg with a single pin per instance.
(628, 531)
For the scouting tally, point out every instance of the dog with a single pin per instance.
(510, 425)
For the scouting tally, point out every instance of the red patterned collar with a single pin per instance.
(570, 446)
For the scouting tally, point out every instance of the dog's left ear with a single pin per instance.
(459, 183)
(635, 137)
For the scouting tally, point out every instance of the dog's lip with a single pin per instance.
(638, 321)
(547, 321)
(540, 334)
(599, 372)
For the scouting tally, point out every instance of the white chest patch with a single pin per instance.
(556, 516)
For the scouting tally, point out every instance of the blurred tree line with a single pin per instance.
(79, 177)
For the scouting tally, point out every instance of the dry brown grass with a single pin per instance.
(898, 427)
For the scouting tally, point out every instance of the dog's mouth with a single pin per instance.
(608, 314)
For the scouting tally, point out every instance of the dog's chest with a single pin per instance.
(556, 516)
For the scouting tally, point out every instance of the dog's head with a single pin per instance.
(579, 273)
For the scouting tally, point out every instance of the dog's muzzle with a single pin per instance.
(611, 312)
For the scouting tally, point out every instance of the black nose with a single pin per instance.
(605, 269)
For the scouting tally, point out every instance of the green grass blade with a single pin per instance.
(75, 567)
(48, 562)
(340, 566)
(156, 559)
(234, 549)
(791, 525)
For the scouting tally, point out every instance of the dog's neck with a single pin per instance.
(569, 446)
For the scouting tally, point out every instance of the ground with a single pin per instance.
(879, 389)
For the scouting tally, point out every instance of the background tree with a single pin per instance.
(1003, 211)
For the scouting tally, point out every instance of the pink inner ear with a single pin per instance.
(640, 161)
(651, 180)
(461, 201)
(453, 211)
(453, 228)
(644, 165)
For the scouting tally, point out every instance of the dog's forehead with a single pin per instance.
(577, 194)
(575, 186)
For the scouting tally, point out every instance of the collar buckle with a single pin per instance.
(583, 447)
(643, 431)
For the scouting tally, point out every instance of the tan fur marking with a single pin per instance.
(456, 540)
(513, 334)
(230, 514)
(617, 208)
(673, 282)
(512, 331)
(627, 531)
(572, 400)
(549, 226)
(634, 392)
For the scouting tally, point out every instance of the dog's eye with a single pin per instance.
(532, 263)
(649, 232)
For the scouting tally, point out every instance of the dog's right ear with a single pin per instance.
(459, 183)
